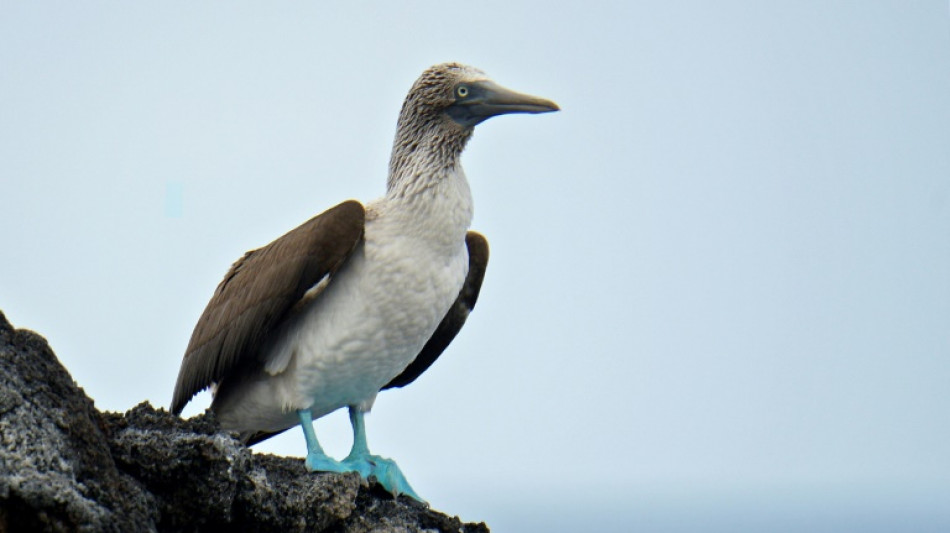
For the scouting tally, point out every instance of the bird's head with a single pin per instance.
(441, 111)
(463, 96)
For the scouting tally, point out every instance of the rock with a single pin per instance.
(56, 471)
(64, 466)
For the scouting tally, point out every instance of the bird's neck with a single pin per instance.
(427, 192)
(424, 153)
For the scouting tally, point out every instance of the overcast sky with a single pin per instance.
(719, 290)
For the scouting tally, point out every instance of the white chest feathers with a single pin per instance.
(370, 323)
(375, 314)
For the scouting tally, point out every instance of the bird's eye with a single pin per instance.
(462, 91)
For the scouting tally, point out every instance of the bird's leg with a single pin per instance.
(385, 470)
(360, 448)
(317, 459)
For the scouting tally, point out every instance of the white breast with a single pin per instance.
(374, 316)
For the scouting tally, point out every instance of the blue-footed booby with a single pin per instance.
(359, 298)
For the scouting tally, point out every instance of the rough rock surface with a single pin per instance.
(64, 466)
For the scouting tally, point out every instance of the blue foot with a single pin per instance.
(386, 472)
(320, 462)
(316, 460)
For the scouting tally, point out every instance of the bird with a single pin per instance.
(360, 298)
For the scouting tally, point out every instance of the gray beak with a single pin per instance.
(481, 100)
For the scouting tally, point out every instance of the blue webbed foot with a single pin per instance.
(317, 460)
(386, 472)
(320, 462)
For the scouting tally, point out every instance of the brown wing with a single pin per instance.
(259, 292)
(455, 318)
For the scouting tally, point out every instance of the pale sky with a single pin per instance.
(719, 290)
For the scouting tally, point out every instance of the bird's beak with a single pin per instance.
(486, 99)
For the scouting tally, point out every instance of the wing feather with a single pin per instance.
(260, 291)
